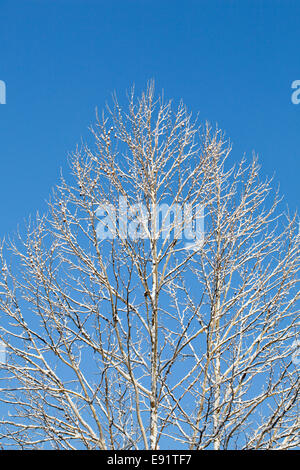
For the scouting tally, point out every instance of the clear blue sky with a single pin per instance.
(231, 60)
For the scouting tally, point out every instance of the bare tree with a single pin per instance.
(130, 337)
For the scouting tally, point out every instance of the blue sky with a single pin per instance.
(233, 61)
